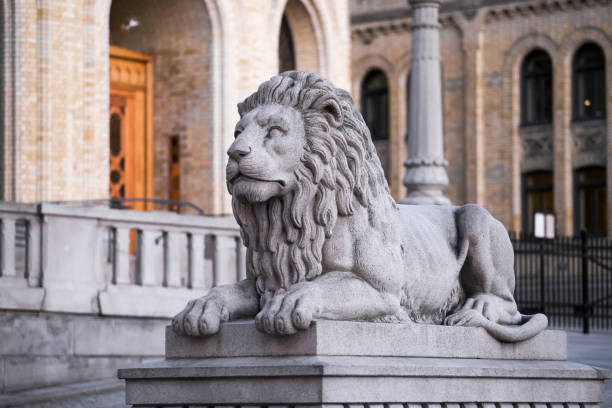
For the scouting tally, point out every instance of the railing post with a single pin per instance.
(196, 261)
(542, 277)
(147, 267)
(585, 282)
(7, 229)
(172, 259)
(121, 256)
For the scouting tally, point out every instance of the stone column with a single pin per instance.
(425, 167)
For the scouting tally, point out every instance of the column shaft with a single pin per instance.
(425, 166)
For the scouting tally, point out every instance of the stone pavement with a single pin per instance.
(592, 349)
(595, 350)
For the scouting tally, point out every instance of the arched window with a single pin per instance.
(590, 200)
(375, 104)
(536, 89)
(589, 83)
(537, 196)
(286, 53)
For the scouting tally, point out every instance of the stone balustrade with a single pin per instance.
(59, 258)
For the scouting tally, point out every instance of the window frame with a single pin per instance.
(543, 115)
(379, 93)
(578, 185)
(577, 71)
(526, 190)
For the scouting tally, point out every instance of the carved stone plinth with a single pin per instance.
(335, 363)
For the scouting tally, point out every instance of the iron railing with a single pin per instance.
(567, 278)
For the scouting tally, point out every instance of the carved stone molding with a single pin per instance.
(589, 142)
(537, 148)
(529, 8)
(368, 31)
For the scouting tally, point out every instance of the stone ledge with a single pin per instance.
(341, 338)
(350, 379)
(352, 366)
(48, 394)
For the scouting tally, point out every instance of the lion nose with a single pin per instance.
(237, 152)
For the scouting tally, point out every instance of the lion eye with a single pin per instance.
(275, 129)
(236, 134)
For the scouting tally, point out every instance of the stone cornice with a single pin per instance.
(531, 8)
(367, 27)
(367, 32)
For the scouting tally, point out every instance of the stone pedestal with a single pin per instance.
(339, 363)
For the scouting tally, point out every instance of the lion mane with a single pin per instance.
(338, 170)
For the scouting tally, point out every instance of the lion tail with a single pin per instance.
(529, 326)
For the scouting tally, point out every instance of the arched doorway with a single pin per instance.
(166, 46)
(298, 47)
(286, 52)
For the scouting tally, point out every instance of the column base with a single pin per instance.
(425, 183)
(426, 197)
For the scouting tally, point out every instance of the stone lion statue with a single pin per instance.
(325, 239)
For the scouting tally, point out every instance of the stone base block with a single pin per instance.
(346, 363)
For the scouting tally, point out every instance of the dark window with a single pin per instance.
(174, 173)
(537, 196)
(536, 89)
(375, 104)
(590, 200)
(589, 83)
(286, 53)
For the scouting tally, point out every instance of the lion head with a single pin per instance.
(302, 156)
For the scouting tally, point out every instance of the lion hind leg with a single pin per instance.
(484, 307)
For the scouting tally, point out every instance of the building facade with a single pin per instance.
(106, 99)
(100, 96)
(137, 99)
(527, 103)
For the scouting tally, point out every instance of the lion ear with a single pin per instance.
(332, 107)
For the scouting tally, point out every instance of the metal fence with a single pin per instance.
(567, 278)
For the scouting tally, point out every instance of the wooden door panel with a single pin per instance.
(117, 146)
(131, 116)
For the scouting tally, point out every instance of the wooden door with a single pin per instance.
(131, 127)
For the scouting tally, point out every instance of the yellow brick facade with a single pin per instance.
(55, 81)
(482, 49)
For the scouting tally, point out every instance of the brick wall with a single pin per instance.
(210, 54)
(481, 52)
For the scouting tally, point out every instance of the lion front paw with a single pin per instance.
(286, 312)
(201, 317)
